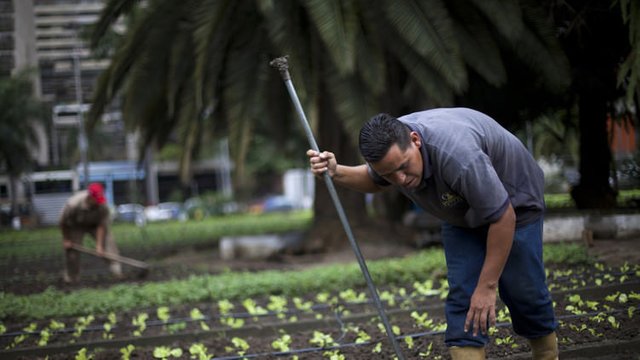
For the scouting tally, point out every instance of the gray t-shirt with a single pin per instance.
(472, 168)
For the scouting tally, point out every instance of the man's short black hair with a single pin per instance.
(379, 133)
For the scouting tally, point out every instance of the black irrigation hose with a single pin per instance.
(239, 315)
(342, 328)
(414, 336)
(242, 315)
(367, 343)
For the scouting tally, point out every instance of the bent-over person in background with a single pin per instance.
(86, 212)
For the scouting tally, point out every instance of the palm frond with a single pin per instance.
(245, 96)
(213, 20)
(353, 103)
(289, 35)
(109, 15)
(337, 26)
(506, 16)
(130, 51)
(431, 81)
(629, 72)
(370, 51)
(180, 69)
(479, 48)
(539, 48)
(426, 28)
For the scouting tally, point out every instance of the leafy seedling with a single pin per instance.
(140, 322)
(196, 314)
(240, 346)
(165, 352)
(127, 351)
(199, 351)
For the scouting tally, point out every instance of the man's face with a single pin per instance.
(402, 168)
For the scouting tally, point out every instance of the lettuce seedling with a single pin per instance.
(45, 334)
(333, 355)
(322, 340)
(422, 320)
(196, 314)
(127, 351)
(282, 343)
(165, 352)
(81, 324)
(302, 305)
(388, 297)
(351, 295)
(225, 306)
(239, 345)
(163, 314)
(253, 308)
(425, 288)
(395, 329)
(141, 322)
(425, 354)
(362, 336)
(409, 341)
(83, 355)
(200, 352)
(108, 326)
(20, 338)
(278, 304)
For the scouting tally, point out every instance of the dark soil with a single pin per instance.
(580, 337)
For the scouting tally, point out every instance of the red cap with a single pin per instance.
(97, 192)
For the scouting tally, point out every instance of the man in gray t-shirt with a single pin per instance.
(464, 168)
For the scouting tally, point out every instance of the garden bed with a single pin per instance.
(596, 304)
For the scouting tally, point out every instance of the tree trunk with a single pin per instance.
(327, 232)
(13, 190)
(595, 57)
(593, 191)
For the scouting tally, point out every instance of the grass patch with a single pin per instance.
(46, 242)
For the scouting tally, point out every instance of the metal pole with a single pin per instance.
(282, 65)
(82, 136)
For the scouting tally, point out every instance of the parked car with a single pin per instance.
(272, 203)
(131, 213)
(201, 207)
(165, 211)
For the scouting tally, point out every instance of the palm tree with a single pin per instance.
(198, 66)
(20, 111)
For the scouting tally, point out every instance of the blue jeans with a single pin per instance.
(522, 286)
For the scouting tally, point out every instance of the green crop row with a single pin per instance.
(233, 286)
(31, 244)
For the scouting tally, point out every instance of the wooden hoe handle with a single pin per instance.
(113, 257)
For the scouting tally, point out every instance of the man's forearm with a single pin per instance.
(100, 233)
(499, 241)
(355, 178)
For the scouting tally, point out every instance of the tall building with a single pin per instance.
(49, 36)
(17, 34)
(62, 53)
(18, 53)
(68, 72)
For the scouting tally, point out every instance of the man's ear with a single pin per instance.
(415, 139)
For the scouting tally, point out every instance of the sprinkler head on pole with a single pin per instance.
(282, 65)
